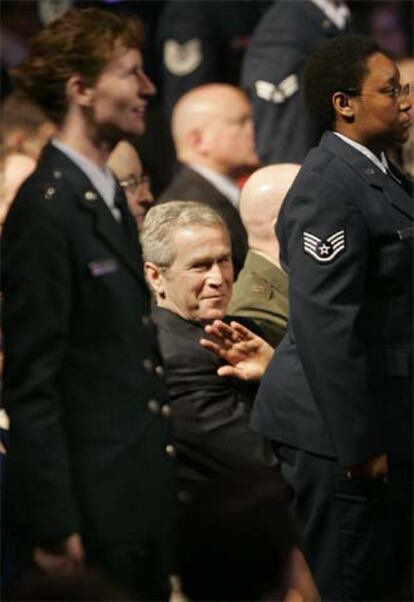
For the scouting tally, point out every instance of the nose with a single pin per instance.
(147, 86)
(145, 195)
(249, 126)
(215, 275)
(149, 195)
(405, 105)
(405, 99)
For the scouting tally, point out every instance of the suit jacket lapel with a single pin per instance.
(112, 233)
(400, 195)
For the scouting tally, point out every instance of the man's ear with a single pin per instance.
(197, 140)
(155, 278)
(77, 91)
(344, 105)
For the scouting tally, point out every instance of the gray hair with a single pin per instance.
(164, 219)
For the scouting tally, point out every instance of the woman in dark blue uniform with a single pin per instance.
(337, 396)
(89, 447)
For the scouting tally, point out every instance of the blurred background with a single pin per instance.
(224, 26)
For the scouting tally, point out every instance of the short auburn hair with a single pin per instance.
(81, 42)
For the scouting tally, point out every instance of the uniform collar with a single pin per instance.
(338, 15)
(269, 271)
(382, 163)
(101, 178)
(398, 195)
(60, 171)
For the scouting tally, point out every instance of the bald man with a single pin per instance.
(261, 290)
(126, 164)
(212, 131)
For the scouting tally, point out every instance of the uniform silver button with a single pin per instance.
(90, 195)
(159, 371)
(50, 191)
(170, 450)
(148, 365)
(370, 171)
(57, 174)
(166, 410)
(153, 406)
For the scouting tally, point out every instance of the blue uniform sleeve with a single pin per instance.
(36, 315)
(272, 74)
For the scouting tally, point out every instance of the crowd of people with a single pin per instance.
(207, 392)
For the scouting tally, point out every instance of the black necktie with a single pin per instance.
(127, 221)
(391, 173)
(398, 176)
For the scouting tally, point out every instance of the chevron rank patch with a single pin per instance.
(182, 59)
(277, 93)
(324, 251)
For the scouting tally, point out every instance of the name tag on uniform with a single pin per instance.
(103, 267)
(406, 233)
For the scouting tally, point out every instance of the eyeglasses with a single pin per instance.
(394, 92)
(133, 183)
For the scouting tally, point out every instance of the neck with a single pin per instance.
(375, 146)
(268, 251)
(188, 159)
(78, 135)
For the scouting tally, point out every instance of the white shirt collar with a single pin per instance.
(101, 178)
(338, 15)
(225, 185)
(382, 163)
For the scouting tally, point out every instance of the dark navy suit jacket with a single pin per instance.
(87, 451)
(340, 383)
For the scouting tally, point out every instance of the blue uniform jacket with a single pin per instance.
(88, 439)
(340, 383)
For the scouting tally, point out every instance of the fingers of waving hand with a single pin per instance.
(231, 342)
(61, 559)
(229, 334)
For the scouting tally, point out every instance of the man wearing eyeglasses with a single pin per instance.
(126, 164)
(337, 396)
